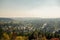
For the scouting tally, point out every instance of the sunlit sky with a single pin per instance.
(30, 8)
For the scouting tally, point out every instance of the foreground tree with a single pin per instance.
(1, 31)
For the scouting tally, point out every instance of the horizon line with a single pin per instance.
(30, 17)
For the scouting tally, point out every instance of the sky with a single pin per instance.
(30, 8)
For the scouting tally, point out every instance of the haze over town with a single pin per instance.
(30, 8)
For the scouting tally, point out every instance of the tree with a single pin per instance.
(1, 31)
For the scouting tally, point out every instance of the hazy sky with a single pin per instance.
(30, 8)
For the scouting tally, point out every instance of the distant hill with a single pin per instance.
(6, 19)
